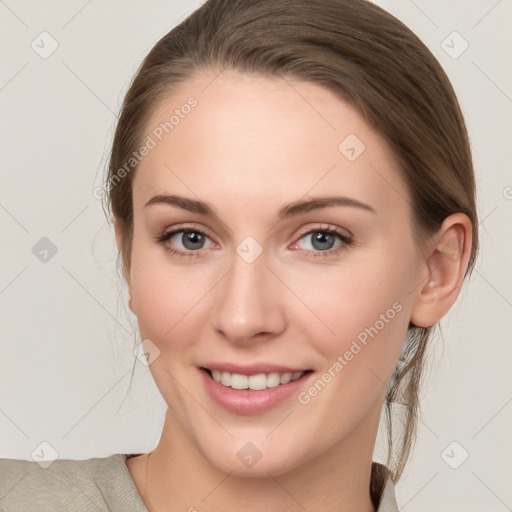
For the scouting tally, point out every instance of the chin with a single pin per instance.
(260, 469)
(256, 460)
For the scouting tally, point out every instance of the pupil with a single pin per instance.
(323, 240)
(192, 240)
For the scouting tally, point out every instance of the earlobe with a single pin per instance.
(445, 265)
(130, 304)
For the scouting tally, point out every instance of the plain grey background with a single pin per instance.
(67, 338)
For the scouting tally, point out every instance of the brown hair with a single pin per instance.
(365, 56)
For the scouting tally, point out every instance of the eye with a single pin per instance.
(190, 240)
(185, 241)
(322, 240)
(319, 240)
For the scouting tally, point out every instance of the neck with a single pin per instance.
(178, 477)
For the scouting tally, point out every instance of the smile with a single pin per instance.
(255, 382)
(255, 391)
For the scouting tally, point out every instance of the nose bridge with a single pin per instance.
(247, 303)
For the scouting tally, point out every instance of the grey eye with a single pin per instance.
(190, 240)
(319, 240)
(322, 241)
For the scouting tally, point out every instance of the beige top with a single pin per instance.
(93, 485)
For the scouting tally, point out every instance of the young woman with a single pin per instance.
(293, 197)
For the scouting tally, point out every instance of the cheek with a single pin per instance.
(365, 317)
(165, 296)
(168, 303)
(348, 299)
(362, 316)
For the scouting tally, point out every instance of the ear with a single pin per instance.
(445, 263)
(119, 243)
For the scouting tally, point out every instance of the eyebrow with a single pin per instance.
(289, 210)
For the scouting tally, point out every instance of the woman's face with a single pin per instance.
(285, 245)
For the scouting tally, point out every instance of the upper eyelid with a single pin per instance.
(188, 227)
(302, 231)
(341, 232)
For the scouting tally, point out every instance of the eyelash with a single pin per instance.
(346, 241)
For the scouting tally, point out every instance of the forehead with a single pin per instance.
(248, 136)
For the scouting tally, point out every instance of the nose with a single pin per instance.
(249, 303)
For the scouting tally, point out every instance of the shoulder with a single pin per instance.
(65, 484)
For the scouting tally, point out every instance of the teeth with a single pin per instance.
(255, 382)
(285, 378)
(273, 380)
(239, 381)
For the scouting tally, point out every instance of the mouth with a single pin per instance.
(256, 390)
(255, 382)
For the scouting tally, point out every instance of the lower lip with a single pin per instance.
(249, 401)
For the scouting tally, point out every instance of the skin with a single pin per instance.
(251, 146)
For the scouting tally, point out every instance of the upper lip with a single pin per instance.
(252, 369)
